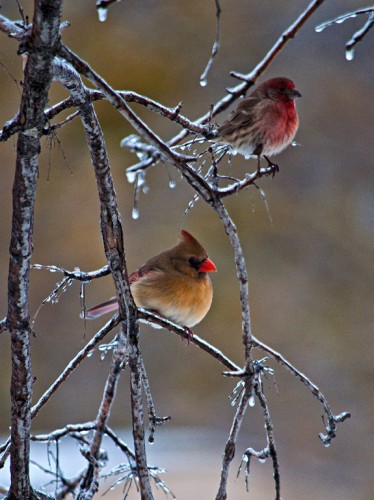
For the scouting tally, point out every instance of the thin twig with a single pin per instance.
(359, 35)
(154, 420)
(231, 441)
(72, 365)
(270, 437)
(331, 419)
(204, 75)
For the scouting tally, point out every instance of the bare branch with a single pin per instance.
(154, 420)
(113, 242)
(231, 442)
(270, 436)
(250, 78)
(358, 35)
(89, 484)
(43, 40)
(204, 75)
(72, 365)
(77, 274)
(332, 419)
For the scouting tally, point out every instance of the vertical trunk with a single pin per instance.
(40, 46)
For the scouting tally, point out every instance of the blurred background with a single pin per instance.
(310, 260)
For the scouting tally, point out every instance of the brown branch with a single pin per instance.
(332, 419)
(89, 484)
(286, 36)
(230, 446)
(74, 363)
(250, 78)
(42, 42)
(186, 334)
(270, 437)
(113, 243)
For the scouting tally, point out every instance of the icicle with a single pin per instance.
(102, 12)
(131, 177)
(349, 54)
(172, 182)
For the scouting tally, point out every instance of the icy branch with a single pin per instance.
(358, 35)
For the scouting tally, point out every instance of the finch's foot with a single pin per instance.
(274, 168)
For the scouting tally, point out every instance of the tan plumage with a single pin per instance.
(173, 284)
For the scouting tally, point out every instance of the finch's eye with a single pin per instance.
(195, 263)
(282, 89)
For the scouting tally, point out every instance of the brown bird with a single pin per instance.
(173, 284)
(264, 123)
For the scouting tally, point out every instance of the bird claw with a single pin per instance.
(189, 336)
(274, 168)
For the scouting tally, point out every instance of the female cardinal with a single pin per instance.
(174, 284)
(264, 123)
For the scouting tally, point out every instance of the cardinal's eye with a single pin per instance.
(195, 263)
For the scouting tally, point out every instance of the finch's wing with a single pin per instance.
(242, 116)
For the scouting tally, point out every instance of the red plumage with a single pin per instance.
(265, 122)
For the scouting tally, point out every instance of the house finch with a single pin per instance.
(174, 284)
(264, 123)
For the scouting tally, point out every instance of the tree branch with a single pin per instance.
(111, 229)
(41, 44)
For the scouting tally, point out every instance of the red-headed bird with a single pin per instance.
(173, 284)
(264, 123)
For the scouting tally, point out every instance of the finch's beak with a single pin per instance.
(294, 94)
(207, 266)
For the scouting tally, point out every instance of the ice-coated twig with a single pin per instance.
(204, 75)
(72, 365)
(344, 17)
(154, 420)
(90, 480)
(77, 274)
(269, 450)
(250, 78)
(111, 228)
(359, 35)
(185, 334)
(229, 451)
(332, 419)
(269, 435)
